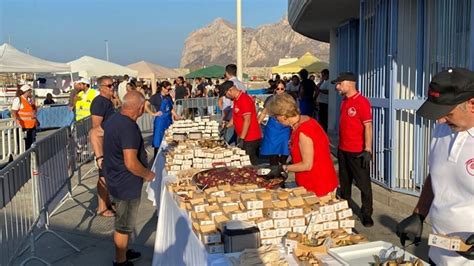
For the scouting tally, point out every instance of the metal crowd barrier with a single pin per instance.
(192, 107)
(145, 122)
(12, 141)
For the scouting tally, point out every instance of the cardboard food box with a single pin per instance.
(331, 225)
(296, 201)
(314, 228)
(344, 214)
(299, 191)
(264, 223)
(295, 212)
(311, 200)
(281, 223)
(215, 248)
(297, 222)
(329, 217)
(264, 195)
(207, 228)
(224, 199)
(277, 213)
(211, 237)
(227, 208)
(215, 213)
(200, 207)
(268, 233)
(253, 204)
(280, 204)
(347, 223)
(220, 221)
(225, 188)
(454, 243)
(298, 229)
(254, 214)
(248, 196)
(238, 215)
(304, 250)
(283, 195)
(282, 231)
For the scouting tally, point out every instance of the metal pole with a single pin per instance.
(239, 39)
(107, 50)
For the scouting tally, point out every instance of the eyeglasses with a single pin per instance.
(280, 89)
(108, 85)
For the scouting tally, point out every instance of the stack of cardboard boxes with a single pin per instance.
(189, 154)
(274, 212)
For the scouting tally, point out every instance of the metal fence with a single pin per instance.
(401, 45)
(193, 107)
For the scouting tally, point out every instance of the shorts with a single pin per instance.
(126, 212)
(101, 172)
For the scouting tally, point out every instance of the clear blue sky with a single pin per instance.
(63, 30)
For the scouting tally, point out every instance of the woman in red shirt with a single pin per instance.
(309, 148)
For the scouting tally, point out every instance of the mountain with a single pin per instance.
(216, 44)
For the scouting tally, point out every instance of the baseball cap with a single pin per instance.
(349, 76)
(25, 88)
(83, 80)
(447, 89)
(224, 87)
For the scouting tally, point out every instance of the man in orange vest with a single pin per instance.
(24, 111)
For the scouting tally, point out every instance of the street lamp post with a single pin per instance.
(239, 39)
(107, 50)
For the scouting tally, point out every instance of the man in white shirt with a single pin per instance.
(122, 87)
(323, 88)
(448, 192)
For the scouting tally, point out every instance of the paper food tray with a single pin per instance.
(362, 254)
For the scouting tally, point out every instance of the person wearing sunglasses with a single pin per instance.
(101, 109)
(164, 112)
(275, 135)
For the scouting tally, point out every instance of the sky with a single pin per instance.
(151, 30)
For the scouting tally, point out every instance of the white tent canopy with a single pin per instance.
(147, 70)
(88, 67)
(14, 61)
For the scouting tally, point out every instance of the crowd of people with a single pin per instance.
(292, 139)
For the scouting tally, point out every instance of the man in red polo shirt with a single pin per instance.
(244, 119)
(355, 144)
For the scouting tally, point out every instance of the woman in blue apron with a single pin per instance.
(164, 114)
(275, 135)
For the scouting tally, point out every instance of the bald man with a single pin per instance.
(125, 169)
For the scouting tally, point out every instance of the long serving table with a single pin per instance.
(175, 243)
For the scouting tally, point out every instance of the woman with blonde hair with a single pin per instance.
(309, 148)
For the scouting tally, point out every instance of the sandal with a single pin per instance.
(106, 213)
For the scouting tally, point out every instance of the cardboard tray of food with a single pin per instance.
(367, 254)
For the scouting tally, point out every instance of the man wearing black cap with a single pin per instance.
(355, 144)
(448, 191)
(244, 119)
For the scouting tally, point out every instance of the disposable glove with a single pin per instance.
(275, 171)
(469, 254)
(411, 226)
(366, 158)
(240, 143)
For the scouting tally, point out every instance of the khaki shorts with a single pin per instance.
(126, 212)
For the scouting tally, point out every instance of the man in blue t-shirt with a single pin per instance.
(125, 168)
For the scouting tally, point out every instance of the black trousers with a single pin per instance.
(30, 137)
(350, 169)
(323, 116)
(252, 150)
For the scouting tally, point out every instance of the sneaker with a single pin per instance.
(367, 221)
(125, 263)
(133, 255)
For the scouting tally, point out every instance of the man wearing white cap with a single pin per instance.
(24, 111)
(84, 99)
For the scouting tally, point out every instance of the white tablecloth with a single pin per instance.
(175, 243)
